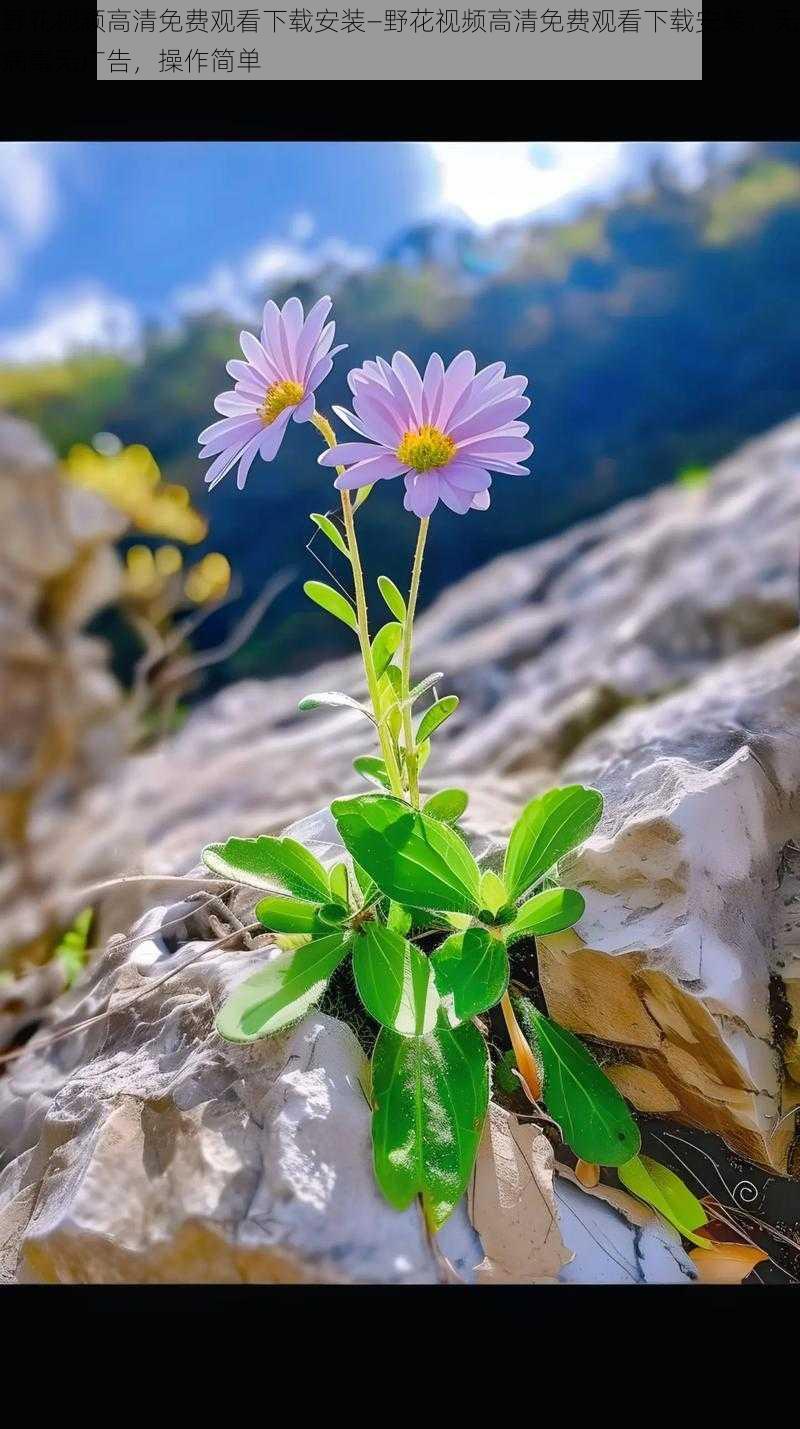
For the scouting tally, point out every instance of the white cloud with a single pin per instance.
(88, 318)
(28, 201)
(240, 288)
(493, 183)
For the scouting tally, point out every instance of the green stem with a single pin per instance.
(405, 669)
(325, 429)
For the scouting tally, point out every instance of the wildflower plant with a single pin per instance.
(427, 928)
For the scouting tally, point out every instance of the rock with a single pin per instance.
(142, 1149)
(145, 1149)
(610, 1251)
(687, 883)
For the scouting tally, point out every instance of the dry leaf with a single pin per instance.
(727, 1263)
(588, 1174)
(530, 1072)
(512, 1206)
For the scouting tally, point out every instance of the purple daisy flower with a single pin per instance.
(445, 432)
(277, 382)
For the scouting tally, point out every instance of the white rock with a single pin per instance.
(146, 1149)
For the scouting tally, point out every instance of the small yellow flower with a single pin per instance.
(131, 482)
(209, 580)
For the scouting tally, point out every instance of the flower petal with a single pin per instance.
(494, 444)
(489, 418)
(242, 432)
(310, 336)
(432, 384)
(481, 501)
(246, 461)
(467, 478)
(225, 427)
(273, 435)
(223, 463)
(453, 497)
(235, 404)
(364, 473)
(349, 420)
(257, 357)
(422, 492)
(407, 373)
(381, 422)
(292, 314)
(305, 409)
(318, 374)
(346, 453)
(271, 331)
(243, 372)
(456, 379)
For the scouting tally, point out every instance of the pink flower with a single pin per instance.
(445, 432)
(277, 381)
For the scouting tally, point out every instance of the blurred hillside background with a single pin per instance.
(644, 289)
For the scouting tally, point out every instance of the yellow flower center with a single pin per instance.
(425, 449)
(280, 396)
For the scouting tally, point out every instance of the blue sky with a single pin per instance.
(97, 239)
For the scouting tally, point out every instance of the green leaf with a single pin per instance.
(422, 688)
(279, 994)
(399, 919)
(447, 806)
(394, 981)
(288, 915)
(493, 891)
(71, 951)
(373, 770)
(340, 887)
(361, 495)
(414, 860)
(393, 598)
(471, 973)
(330, 600)
(332, 532)
(332, 914)
(548, 912)
(505, 1074)
(423, 752)
(594, 1119)
(430, 1096)
(389, 693)
(661, 1188)
(436, 715)
(264, 862)
(547, 829)
(384, 645)
(368, 886)
(333, 697)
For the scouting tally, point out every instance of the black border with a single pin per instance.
(49, 90)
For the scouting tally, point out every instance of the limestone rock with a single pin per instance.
(687, 886)
(145, 1149)
(142, 1149)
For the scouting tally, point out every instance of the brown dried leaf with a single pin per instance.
(512, 1206)
(588, 1174)
(726, 1263)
